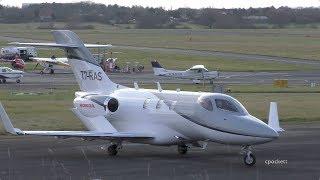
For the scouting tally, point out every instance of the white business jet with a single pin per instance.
(196, 73)
(158, 117)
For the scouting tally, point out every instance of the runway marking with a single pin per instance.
(55, 163)
(9, 154)
(148, 169)
(9, 163)
(90, 166)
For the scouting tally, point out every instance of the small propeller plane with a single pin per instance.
(196, 73)
(51, 64)
(8, 73)
(118, 114)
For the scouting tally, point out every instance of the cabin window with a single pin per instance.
(206, 103)
(226, 105)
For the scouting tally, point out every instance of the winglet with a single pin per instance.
(274, 118)
(7, 123)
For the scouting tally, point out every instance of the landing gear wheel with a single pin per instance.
(249, 159)
(18, 81)
(113, 150)
(51, 71)
(4, 81)
(182, 149)
(41, 72)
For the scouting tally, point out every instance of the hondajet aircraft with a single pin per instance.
(158, 117)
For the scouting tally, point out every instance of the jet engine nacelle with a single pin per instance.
(95, 105)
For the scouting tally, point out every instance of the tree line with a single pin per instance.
(148, 17)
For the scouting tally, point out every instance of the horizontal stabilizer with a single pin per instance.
(58, 45)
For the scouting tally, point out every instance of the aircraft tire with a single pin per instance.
(18, 81)
(51, 71)
(112, 150)
(182, 149)
(4, 81)
(249, 159)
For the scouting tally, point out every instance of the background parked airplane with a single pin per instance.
(52, 64)
(8, 73)
(159, 117)
(196, 73)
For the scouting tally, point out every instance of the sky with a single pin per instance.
(174, 4)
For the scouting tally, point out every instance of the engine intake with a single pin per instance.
(113, 105)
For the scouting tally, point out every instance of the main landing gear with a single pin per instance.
(112, 149)
(182, 149)
(248, 157)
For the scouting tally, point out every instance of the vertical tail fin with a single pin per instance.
(157, 68)
(86, 69)
(7, 122)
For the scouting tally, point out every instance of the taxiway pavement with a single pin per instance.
(48, 158)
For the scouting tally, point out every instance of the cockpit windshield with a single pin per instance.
(223, 102)
(226, 105)
(206, 103)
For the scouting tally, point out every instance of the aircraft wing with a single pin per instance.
(70, 134)
(86, 134)
(98, 45)
(50, 59)
(57, 45)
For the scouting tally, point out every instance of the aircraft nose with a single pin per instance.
(269, 132)
(262, 129)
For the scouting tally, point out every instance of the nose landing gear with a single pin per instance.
(182, 149)
(248, 157)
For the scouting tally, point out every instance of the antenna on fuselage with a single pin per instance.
(136, 86)
(159, 86)
(203, 80)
